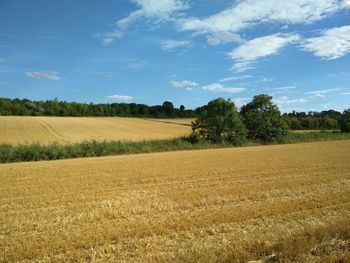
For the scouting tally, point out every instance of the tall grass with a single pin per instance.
(312, 136)
(37, 152)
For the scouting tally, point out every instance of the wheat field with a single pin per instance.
(46, 130)
(289, 203)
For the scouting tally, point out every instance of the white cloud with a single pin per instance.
(218, 38)
(42, 75)
(285, 88)
(286, 101)
(245, 55)
(170, 44)
(346, 3)
(345, 93)
(120, 98)
(187, 84)
(265, 80)
(247, 13)
(160, 11)
(239, 102)
(332, 44)
(318, 95)
(322, 91)
(236, 78)
(217, 87)
(2, 60)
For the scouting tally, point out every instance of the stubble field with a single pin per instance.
(46, 130)
(288, 202)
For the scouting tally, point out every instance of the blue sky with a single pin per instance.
(188, 52)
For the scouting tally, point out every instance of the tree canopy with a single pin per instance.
(345, 121)
(219, 119)
(263, 119)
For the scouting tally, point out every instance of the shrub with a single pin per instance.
(194, 138)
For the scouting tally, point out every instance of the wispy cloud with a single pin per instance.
(43, 75)
(2, 60)
(249, 13)
(120, 98)
(217, 38)
(187, 84)
(236, 78)
(104, 74)
(219, 88)
(285, 88)
(239, 102)
(156, 10)
(318, 95)
(322, 91)
(171, 44)
(245, 55)
(265, 80)
(332, 44)
(286, 101)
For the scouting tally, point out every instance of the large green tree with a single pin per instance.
(345, 121)
(219, 119)
(263, 119)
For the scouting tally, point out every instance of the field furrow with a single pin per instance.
(223, 205)
(46, 130)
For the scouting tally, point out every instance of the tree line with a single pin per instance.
(259, 119)
(325, 120)
(25, 107)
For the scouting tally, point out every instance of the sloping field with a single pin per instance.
(286, 202)
(15, 130)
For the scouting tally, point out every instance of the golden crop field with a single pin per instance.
(285, 202)
(45, 130)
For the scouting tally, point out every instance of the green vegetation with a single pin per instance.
(219, 120)
(37, 152)
(324, 120)
(345, 121)
(263, 119)
(18, 107)
(219, 125)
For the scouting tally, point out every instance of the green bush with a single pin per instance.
(345, 121)
(194, 138)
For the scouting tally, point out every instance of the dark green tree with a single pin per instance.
(168, 108)
(344, 121)
(263, 119)
(219, 120)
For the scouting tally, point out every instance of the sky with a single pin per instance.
(187, 52)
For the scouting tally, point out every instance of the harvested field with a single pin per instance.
(285, 202)
(46, 130)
